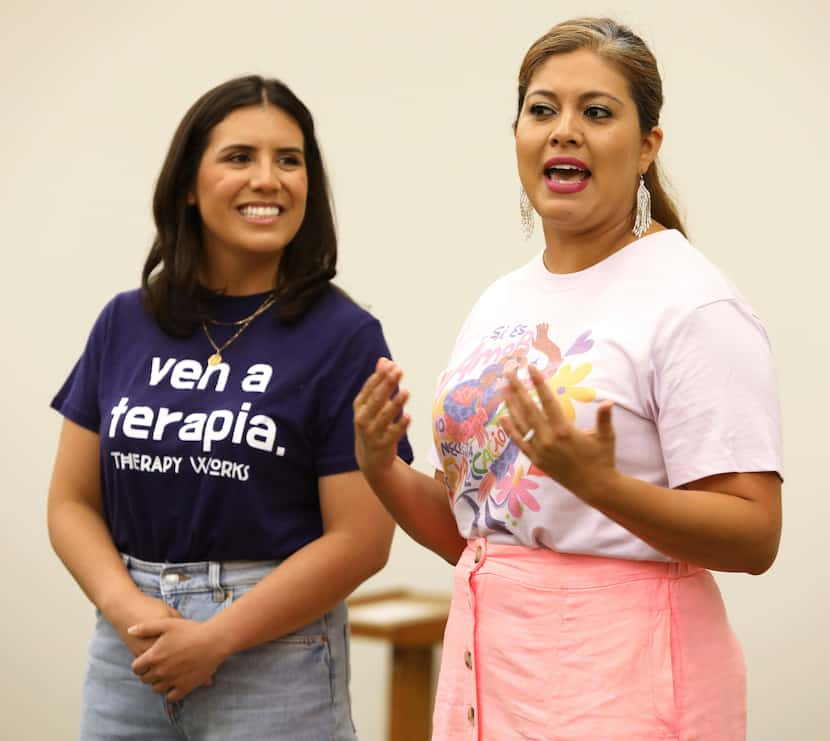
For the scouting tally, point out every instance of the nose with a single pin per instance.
(264, 175)
(566, 129)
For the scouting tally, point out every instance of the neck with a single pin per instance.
(240, 276)
(569, 251)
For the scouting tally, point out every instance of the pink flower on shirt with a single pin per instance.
(516, 492)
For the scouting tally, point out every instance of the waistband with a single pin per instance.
(549, 569)
(198, 576)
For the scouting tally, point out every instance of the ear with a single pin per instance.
(650, 147)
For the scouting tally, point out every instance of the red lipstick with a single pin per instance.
(570, 165)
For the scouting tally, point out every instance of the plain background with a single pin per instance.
(414, 103)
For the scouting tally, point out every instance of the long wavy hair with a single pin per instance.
(170, 278)
(619, 45)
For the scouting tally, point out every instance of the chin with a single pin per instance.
(564, 217)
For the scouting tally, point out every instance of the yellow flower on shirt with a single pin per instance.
(565, 387)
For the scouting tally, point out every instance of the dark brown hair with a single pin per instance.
(170, 278)
(620, 45)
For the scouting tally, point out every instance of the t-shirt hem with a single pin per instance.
(350, 464)
(686, 477)
(76, 415)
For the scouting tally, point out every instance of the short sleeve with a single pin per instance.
(716, 396)
(78, 398)
(355, 363)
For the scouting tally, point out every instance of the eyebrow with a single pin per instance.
(249, 148)
(585, 96)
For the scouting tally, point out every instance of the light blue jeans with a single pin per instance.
(296, 687)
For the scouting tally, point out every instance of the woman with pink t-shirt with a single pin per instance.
(606, 431)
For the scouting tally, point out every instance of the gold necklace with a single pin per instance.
(216, 358)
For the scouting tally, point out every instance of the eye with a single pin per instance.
(597, 112)
(538, 110)
(239, 158)
(289, 160)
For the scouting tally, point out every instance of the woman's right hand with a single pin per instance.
(379, 419)
(138, 608)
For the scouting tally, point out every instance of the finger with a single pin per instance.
(176, 693)
(163, 687)
(396, 430)
(388, 414)
(514, 421)
(517, 436)
(374, 395)
(382, 368)
(550, 405)
(369, 386)
(387, 387)
(151, 629)
(148, 676)
(523, 410)
(605, 426)
(142, 664)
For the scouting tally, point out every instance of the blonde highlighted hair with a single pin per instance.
(619, 45)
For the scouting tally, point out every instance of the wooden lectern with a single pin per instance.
(413, 623)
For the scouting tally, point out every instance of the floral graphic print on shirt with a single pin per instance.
(486, 473)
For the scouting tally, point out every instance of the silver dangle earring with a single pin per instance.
(643, 220)
(526, 211)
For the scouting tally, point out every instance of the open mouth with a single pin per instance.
(563, 173)
(260, 212)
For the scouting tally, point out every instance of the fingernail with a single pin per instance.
(132, 630)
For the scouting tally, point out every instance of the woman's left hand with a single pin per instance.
(581, 460)
(185, 656)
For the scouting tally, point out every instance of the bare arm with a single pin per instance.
(417, 502)
(357, 535)
(82, 540)
(729, 522)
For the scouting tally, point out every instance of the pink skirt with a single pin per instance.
(550, 646)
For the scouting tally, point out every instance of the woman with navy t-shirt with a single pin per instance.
(205, 494)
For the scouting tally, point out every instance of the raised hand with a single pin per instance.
(580, 460)
(379, 418)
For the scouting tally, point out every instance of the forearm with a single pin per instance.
(300, 590)
(420, 506)
(716, 530)
(81, 539)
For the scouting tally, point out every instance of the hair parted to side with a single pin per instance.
(619, 45)
(170, 278)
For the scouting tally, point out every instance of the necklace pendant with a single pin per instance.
(215, 359)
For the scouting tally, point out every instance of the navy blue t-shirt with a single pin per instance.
(203, 462)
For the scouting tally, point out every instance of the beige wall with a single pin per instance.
(414, 103)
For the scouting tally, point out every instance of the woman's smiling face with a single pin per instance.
(579, 146)
(252, 185)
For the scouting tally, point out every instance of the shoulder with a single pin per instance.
(501, 298)
(505, 286)
(125, 302)
(340, 310)
(680, 273)
(336, 320)
(123, 307)
(692, 297)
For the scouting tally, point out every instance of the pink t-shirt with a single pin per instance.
(656, 329)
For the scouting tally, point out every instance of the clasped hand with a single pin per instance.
(580, 460)
(184, 656)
